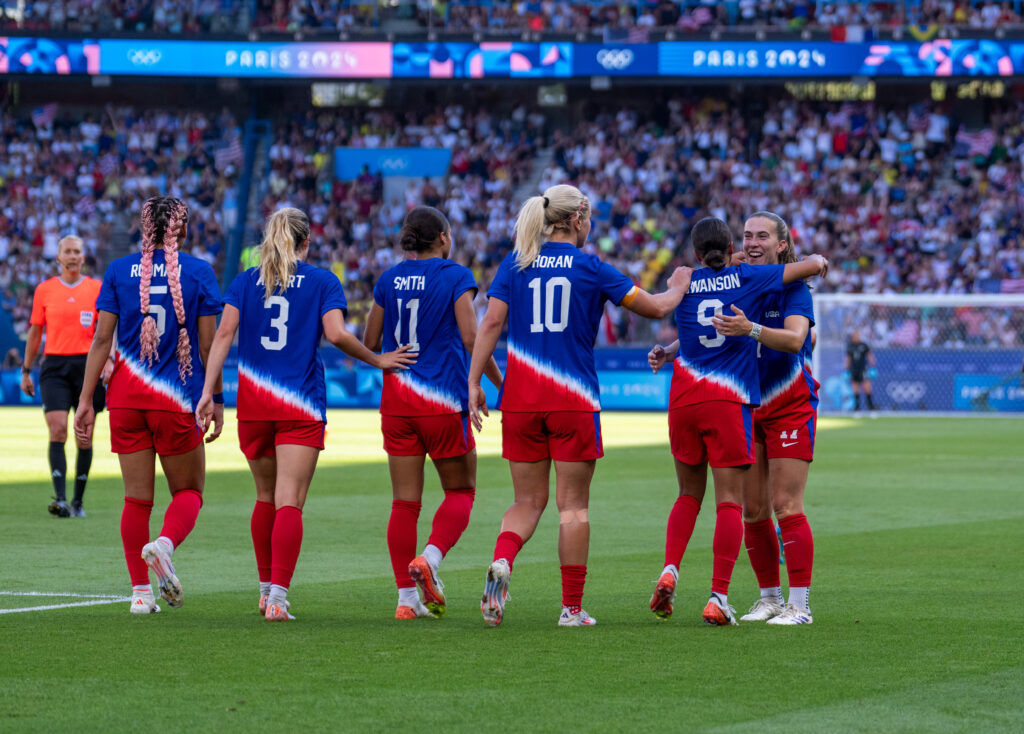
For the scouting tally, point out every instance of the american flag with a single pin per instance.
(45, 115)
(637, 35)
(1012, 285)
(108, 164)
(85, 206)
(979, 143)
(918, 120)
(230, 153)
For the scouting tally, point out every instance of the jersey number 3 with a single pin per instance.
(278, 323)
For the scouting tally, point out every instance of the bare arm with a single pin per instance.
(99, 351)
(465, 317)
(372, 336)
(658, 306)
(483, 351)
(343, 339)
(213, 360)
(35, 336)
(811, 266)
(790, 338)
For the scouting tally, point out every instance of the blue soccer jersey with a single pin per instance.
(135, 383)
(418, 298)
(554, 309)
(786, 378)
(280, 373)
(711, 366)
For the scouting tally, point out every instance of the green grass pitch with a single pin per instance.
(917, 600)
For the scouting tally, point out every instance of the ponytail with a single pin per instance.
(285, 232)
(542, 216)
(711, 238)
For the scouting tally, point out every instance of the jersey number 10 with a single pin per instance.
(559, 283)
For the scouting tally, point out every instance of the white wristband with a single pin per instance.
(755, 332)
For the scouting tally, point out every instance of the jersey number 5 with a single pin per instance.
(704, 319)
(559, 283)
(279, 323)
(158, 311)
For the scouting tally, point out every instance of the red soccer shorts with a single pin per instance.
(257, 439)
(563, 435)
(442, 436)
(718, 432)
(166, 433)
(787, 434)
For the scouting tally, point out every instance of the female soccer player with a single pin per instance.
(552, 296)
(281, 309)
(426, 302)
(65, 308)
(714, 386)
(163, 305)
(784, 428)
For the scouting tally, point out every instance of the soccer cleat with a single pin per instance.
(278, 613)
(718, 613)
(492, 605)
(763, 610)
(431, 588)
(157, 558)
(59, 508)
(793, 614)
(263, 604)
(143, 603)
(580, 619)
(419, 611)
(663, 596)
(77, 510)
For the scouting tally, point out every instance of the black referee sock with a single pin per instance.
(58, 469)
(82, 466)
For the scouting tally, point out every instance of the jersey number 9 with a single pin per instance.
(704, 319)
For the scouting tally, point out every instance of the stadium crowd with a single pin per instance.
(241, 16)
(849, 179)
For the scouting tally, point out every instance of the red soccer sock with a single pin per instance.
(181, 515)
(261, 526)
(451, 518)
(799, 543)
(508, 546)
(134, 535)
(726, 545)
(681, 520)
(402, 539)
(285, 542)
(763, 552)
(573, 578)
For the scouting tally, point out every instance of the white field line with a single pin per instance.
(94, 599)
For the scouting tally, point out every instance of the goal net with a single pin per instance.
(939, 353)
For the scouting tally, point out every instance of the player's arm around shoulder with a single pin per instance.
(661, 305)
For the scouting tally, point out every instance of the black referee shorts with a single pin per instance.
(60, 383)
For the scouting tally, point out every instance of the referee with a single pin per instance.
(65, 308)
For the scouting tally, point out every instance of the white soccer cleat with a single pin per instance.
(492, 605)
(763, 610)
(157, 558)
(793, 614)
(143, 603)
(718, 613)
(580, 619)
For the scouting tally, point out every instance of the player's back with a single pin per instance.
(280, 373)
(418, 298)
(709, 365)
(157, 386)
(554, 309)
(786, 377)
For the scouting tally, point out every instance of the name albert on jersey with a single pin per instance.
(786, 378)
(418, 298)
(709, 365)
(555, 307)
(280, 373)
(135, 383)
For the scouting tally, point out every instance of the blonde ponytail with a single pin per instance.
(285, 232)
(541, 216)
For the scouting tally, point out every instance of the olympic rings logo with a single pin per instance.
(906, 392)
(144, 56)
(615, 58)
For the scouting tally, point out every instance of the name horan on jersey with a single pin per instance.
(552, 261)
(411, 283)
(717, 283)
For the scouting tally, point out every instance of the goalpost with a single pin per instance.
(933, 353)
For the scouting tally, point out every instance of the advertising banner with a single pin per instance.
(409, 162)
(490, 60)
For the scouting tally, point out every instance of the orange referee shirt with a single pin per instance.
(67, 312)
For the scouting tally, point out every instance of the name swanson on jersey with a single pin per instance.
(717, 283)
